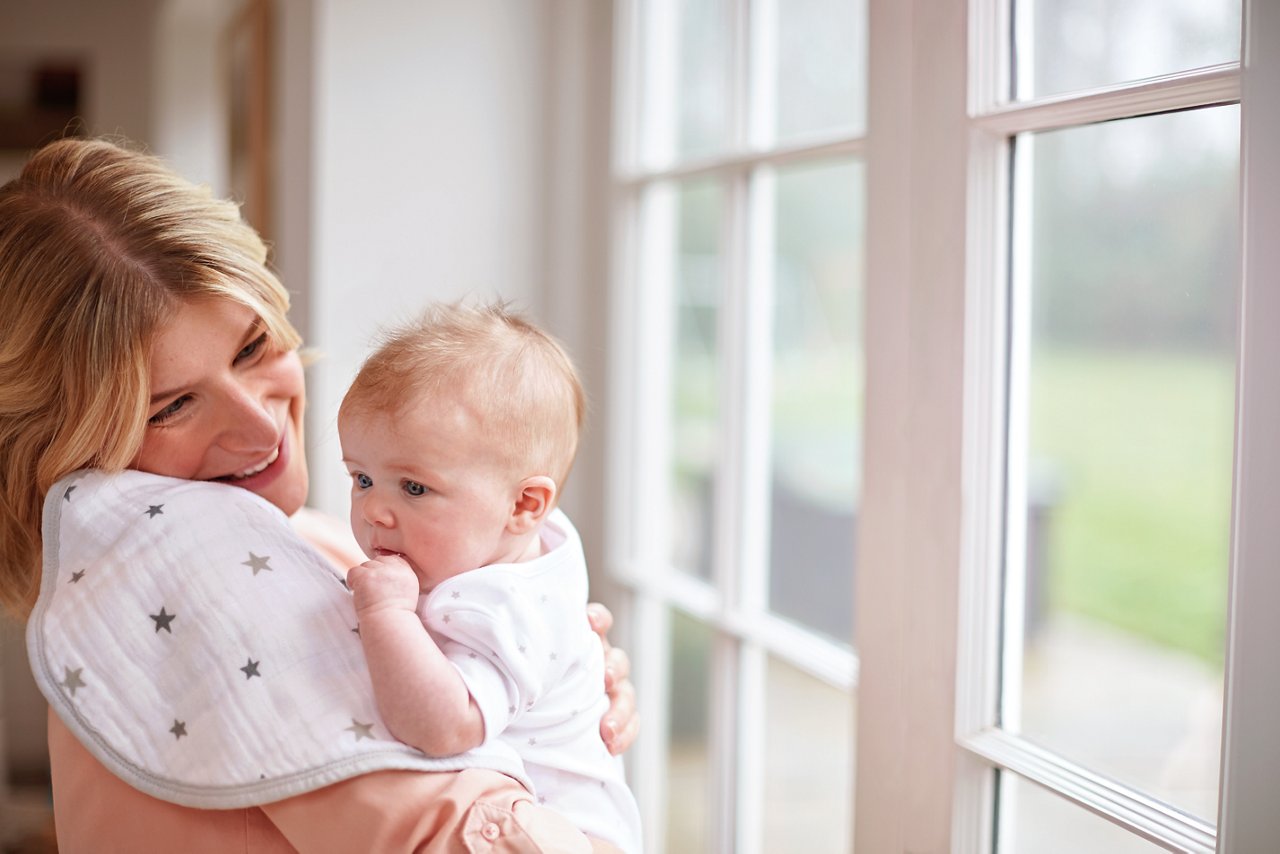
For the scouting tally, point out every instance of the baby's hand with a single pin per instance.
(384, 582)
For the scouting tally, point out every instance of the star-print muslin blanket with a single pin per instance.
(201, 650)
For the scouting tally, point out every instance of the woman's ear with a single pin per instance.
(536, 498)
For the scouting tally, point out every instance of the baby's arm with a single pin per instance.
(421, 696)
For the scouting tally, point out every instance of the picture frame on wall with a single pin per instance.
(247, 61)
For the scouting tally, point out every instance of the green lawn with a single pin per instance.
(1135, 450)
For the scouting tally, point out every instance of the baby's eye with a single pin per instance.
(414, 488)
(362, 480)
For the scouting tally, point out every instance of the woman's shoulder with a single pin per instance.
(329, 536)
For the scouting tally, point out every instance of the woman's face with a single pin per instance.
(226, 404)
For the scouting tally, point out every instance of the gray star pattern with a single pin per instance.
(455, 595)
(154, 510)
(179, 729)
(250, 670)
(163, 620)
(76, 576)
(72, 681)
(360, 730)
(66, 496)
(257, 563)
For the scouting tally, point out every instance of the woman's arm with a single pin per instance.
(420, 695)
(440, 813)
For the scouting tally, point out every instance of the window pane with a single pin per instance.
(695, 408)
(817, 394)
(688, 759)
(704, 76)
(1035, 819)
(1133, 264)
(686, 60)
(808, 764)
(822, 67)
(1069, 45)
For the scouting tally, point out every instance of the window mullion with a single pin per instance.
(1140, 813)
(1248, 818)
(763, 70)
(1182, 91)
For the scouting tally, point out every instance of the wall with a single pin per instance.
(428, 172)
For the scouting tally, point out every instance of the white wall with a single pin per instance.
(429, 156)
(190, 102)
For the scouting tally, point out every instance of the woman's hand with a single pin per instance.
(620, 724)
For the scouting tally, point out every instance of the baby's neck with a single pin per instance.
(526, 547)
(532, 549)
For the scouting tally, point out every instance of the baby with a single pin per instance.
(458, 434)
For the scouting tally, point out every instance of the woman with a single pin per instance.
(140, 328)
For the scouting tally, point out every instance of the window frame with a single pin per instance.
(996, 390)
(928, 608)
(734, 605)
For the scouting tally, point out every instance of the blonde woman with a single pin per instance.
(141, 330)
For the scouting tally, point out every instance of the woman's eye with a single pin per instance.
(169, 411)
(414, 488)
(252, 347)
(363, 480)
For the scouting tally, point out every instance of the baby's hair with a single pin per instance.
(517, 378)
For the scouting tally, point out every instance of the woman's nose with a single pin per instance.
(250, 423)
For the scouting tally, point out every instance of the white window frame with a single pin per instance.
(930, 527)
(935, 443)
(734, 606)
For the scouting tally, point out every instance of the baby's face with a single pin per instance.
(426, 484)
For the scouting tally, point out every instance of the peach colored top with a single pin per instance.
(458, 811)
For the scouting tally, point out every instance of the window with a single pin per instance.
(1113, 393)
(1053, 361)
(738, 411)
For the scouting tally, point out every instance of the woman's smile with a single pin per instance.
(242, 399)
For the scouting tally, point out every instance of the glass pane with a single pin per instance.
(689, 757)
(1069, 45)
(808, 764)
(1035, 819)
(695, 407)
(686, 55)
(1133, 262)
(817, 394)
(822, 67)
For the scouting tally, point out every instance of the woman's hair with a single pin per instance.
(517, 378)
(98, 245)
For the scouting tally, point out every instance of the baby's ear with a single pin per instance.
(536, 498)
